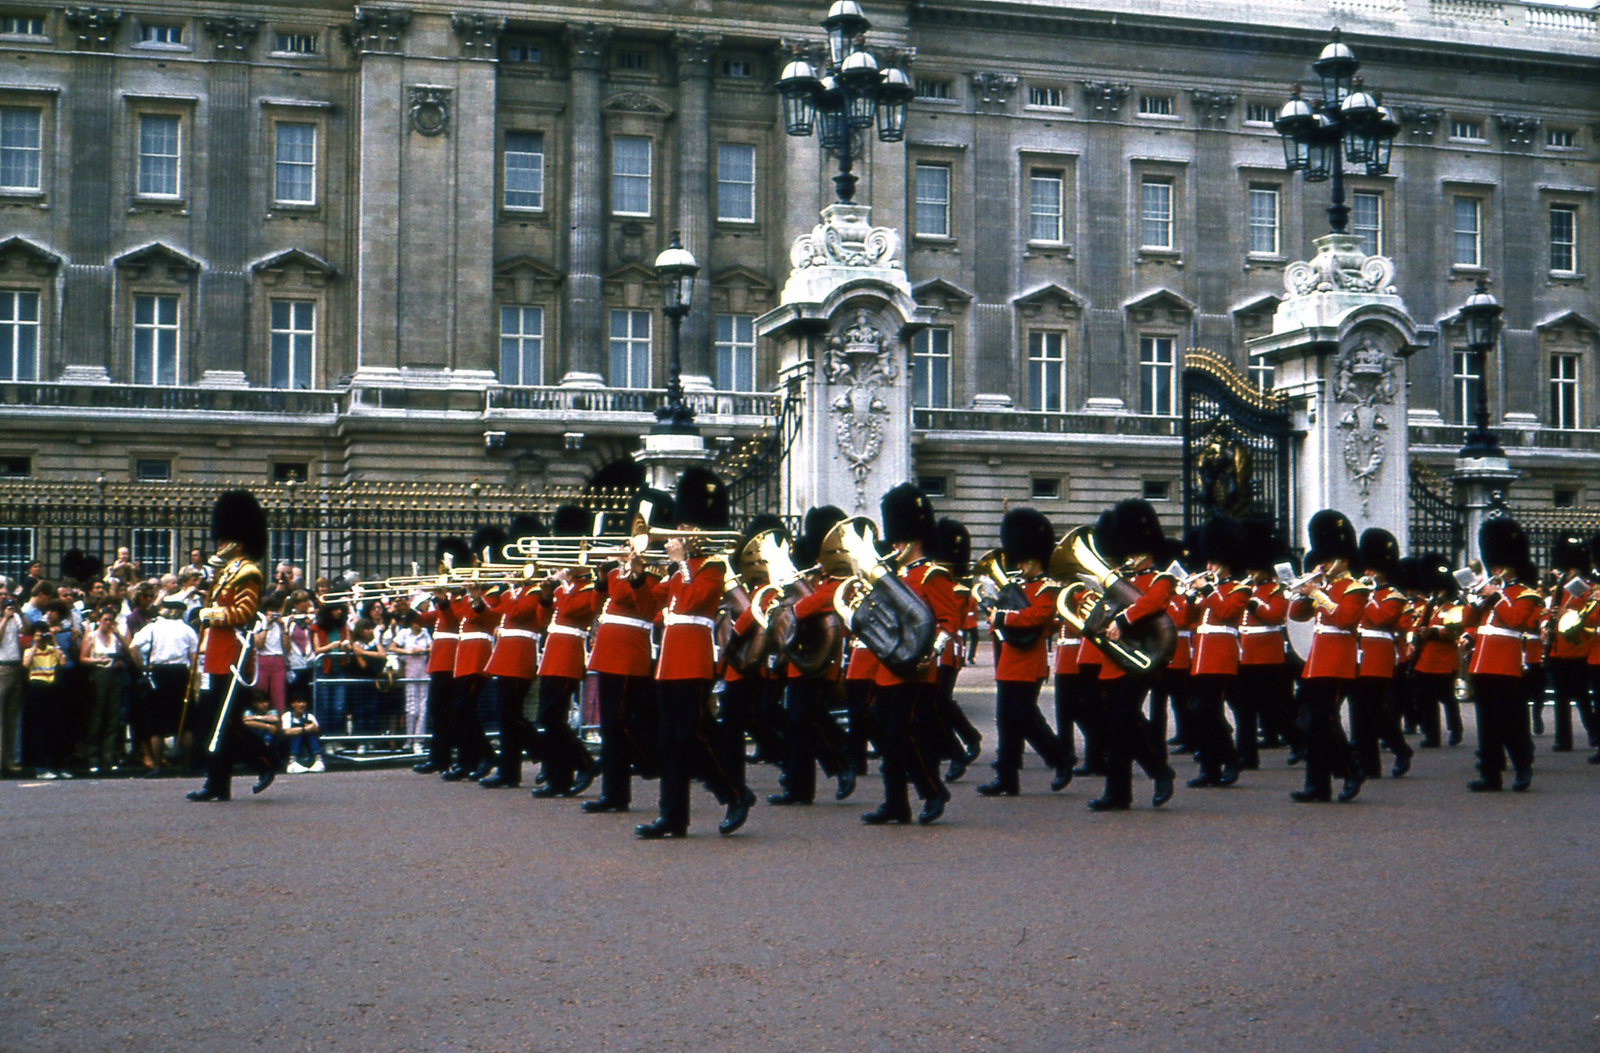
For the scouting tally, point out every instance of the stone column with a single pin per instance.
(375, 35)
(695, 193)
(225, 284)
(86, 296)
(1340, 343)
(1105, 208)
(994, 198)
(1213, 227)
(584, 309)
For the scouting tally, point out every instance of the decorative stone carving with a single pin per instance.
(993, 88)
(1340, 266)
(232, 36)
(846, 238)
(95, 27)
(694, 52)
(1364, 380)
(859, 359)
(586, 44)
(1105, 98)
(635, 102)
(377, 30)
(1213, 105)
(429, 111)
(480, 34)
(1518, 129)
(1422, 120)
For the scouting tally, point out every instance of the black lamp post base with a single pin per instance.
(1481, 444)
(675, 419)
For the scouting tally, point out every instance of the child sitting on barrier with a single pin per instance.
(302, 736)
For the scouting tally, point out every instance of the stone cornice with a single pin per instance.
(694, 52)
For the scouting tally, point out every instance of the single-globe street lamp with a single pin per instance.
(1480, 316)
(675, 270)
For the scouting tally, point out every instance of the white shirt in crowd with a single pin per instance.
(10, 644)
(166, 641)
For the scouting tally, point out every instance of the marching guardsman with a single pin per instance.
(239, 527)
(1027, 539)
(1222, 602)
(813, 737)
(478, 617)
(445, 628)
(902, 701)
(1435, 657)
(951, 548)
(743, 654)
(1169, 688)
(1506, 609)
(684, 672)
(1569, 652)
(570, 593)
(1262, 690)
(1130, 532)
(1333, 600)
(1069, 690)
(524, 614)
(623, 663)
(860, 683)
(1373, 713)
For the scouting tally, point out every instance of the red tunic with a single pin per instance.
(477, 635)
(689, 600)
(1533, 638)
(1157, 590)
(1380, 620)
(743, 626)
(863, 663)
(1067, 647)
(1030, 663)
(516, 642)
(622, 632)
(1216, 639)
(1559, 647)
(1184, 617)
(443, 624)
(1262, 639)
(1594, 623)
(931, 582)
(1435, 644)
(234, 602)
(1333, 643)
(1499, 650)
(819, 605)
(575, 604)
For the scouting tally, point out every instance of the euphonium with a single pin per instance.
(891, 620)
(809, 643)
(1147, 645)
(999, 591)
(1573, 625)
(745, 653)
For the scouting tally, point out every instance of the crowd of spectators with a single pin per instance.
(95, 664)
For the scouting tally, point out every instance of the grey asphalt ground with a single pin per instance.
(388, 911)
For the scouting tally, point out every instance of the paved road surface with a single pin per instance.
(386, 911)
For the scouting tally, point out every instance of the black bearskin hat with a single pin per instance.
(488, 543)
(237, 517)
(1594, 548)
(1502, 543)
(662, 513)
(702, 501)
(74, 565)
(808, 546)
(571, 520)
(527, 524)
(907, 515)
(459, 551)
(758, 524)
(1260, 543)
(1379, 551)
(1572, 554)
(1332, 537)
(1026, 533)
(1105, 537)
(1528, 572)
(1137, 529)
(1409, 574)
(951, 545)
(1222, 542)
(1435, 575)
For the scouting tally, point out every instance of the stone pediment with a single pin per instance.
(316, 271)
(634, 284)
(180, 267)
(33, 256)
(1266, 303)
(1049, 296)
(1569, 320)
(945, 295)
(738, 289)
(743, 276)
(1147, 306)
(635, 102)
(524, 278)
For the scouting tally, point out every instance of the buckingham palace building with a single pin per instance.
(322, 241)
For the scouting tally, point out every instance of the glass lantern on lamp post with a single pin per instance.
(675, 270)
(1480, 316)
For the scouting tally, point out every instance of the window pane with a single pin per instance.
(736, 182)
(158, 155)
(1366, 221)
(1156, 220)
(279, 371)
(19, 149)
(296, 169)
(1045, 211)
(524, 170)
(1264, 221)
(1563, 239)
(933, 200)
(1466, 232)
(630, 175)
(735, 352)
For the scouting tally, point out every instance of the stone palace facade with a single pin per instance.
(332, 241)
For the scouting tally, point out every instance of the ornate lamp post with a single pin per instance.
(1345, 124)
(675, 269)
(848, 96)
(1481, 317)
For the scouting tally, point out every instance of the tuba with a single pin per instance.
(745, 653)
(996, 589)
(809, 643)
(1090, 604)
(885, 615)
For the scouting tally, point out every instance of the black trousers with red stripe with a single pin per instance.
(686, 750)
(909, 755)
